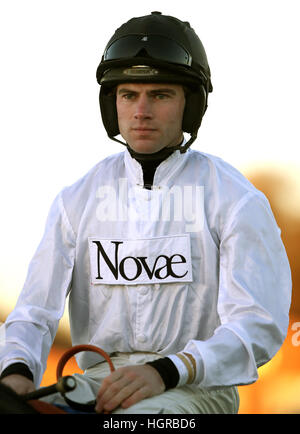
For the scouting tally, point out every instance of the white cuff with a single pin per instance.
(182, 370)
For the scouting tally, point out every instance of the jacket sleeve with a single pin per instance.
(253, 301)
(29, 330)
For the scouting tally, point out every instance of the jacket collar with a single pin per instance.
(164, 174)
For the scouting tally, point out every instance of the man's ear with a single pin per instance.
(107, 98)
(195, 107)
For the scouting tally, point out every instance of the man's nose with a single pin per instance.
(143, 108)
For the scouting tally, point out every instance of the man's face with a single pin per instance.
(150, 115)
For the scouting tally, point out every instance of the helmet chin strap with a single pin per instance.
(166, 150)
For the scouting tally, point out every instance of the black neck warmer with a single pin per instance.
(150, 162)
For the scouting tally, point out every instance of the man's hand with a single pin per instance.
(18, 383)
(127, 386)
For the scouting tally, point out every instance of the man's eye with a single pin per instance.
(128, 96)
(162, 96)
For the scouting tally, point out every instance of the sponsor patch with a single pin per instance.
(140, 261)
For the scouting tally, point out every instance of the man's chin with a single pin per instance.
(145, 147)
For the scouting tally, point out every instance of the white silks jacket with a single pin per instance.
(196, 265)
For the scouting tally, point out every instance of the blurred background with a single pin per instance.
(51, 132)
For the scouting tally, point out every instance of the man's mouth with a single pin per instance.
(143, 129)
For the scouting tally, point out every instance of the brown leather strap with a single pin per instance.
(70, 353)
(45, 408)
(78, 349)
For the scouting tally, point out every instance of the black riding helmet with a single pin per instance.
(152, 49)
